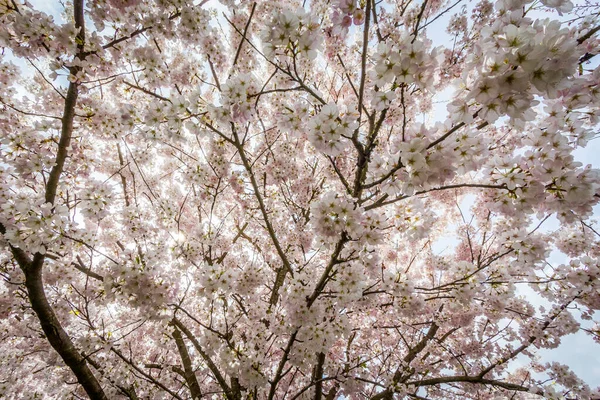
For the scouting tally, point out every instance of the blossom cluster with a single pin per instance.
(413, 219)
(328, 127)
(406, 61)
(237, 103)
(303, 220)
(425, 167)
(142, 284)
(334, 214)
(33, 225)
(293, 33)
(95, 200)
(517, 59)
(345, 13)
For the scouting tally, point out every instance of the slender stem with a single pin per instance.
(363, 60)
(237, 53)
(286, 264)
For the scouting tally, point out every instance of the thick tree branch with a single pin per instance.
(318, 376)
(209, 362)
(56, 335)
(470, 379)
(326, 274)
(588, 35)
(282, 362)
(148, 92)
(189, 375)
(388, 393)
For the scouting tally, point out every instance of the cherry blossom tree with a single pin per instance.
(253, 200)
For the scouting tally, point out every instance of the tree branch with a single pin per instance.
(282, 362)
(239, 49)
(189, 375)
(56, 335)
(209, 362)
(263, 209)
(363, 60)
(318, 376)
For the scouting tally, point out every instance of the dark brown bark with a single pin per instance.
(33, 269)
(318, 377)
(211, 365)
(476, 380)
(189, 375)
(56, 335)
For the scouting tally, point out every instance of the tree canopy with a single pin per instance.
(314, 199)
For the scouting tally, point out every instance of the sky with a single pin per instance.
(578, 351)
